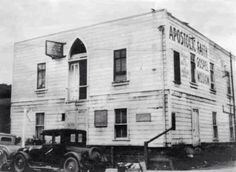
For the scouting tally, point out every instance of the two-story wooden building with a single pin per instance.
(122, 80)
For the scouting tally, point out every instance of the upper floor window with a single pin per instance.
(41, 75)
(78, 80)
(228, 82)
(177, 73)
(77, 72)
(212, 75)
(120, 73)
(78, 47)
(193, 68)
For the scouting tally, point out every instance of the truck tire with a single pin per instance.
(71, 165)
(20, 163)
(3, 159)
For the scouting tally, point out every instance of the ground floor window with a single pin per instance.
(39, 125)
(215, 127)
(120, 123)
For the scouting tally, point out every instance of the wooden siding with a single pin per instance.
(149, 71)
(142, 39)
(138, 132)
(184, 98)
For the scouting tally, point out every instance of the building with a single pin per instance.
(122, 80)
(5, 105)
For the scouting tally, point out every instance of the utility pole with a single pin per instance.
(232, 83)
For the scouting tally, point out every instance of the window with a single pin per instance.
(63, 117)
(73, 138)
(173, 121)
(231, 128)
(120, 123)
(228, 82)
(6, 139)
(78, 80)
(41, 75)
(100, 118)
(193, 68)
(177, 74)
(39, 127)
(215, 128)
(120, 65)
(77, 71)
(80, 138)
(83, 79)
(78, 47)
(212, 75)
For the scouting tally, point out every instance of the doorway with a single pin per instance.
(195, 127)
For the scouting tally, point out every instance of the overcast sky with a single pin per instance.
(25, 19)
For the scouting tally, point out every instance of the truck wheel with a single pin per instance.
(3, 159)
(71, 165)
(20, 163)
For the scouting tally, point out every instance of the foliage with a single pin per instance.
(5, 91)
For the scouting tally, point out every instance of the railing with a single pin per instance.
(146, 155)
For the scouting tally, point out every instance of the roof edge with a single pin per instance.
(96, 24)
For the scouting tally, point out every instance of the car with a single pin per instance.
(8, 148)
(62, 149)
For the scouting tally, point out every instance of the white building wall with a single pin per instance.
(139, 35)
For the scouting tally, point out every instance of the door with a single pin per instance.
(74, 81)
(195, 127)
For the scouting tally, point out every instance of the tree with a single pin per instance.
(5, 91)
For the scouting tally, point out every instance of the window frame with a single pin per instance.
(119, 59)
(39, 71)
(228, 83)
(212, 77)
(120, 124)
(39, 126)
(63, 117)
(193, 68)
(81, 86)
(177, 67)
(215, 126)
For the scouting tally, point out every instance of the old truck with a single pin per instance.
(62, 149)
(8, 148)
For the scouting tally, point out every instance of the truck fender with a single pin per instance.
(92, 150)
(3, 158)
(76, 155)
(5, 150)
(24, 154)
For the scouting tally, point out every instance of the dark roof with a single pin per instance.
(57, 132)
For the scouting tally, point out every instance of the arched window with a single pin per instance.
(77, 47)
(77, 71)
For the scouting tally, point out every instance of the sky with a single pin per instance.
(26, 19)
